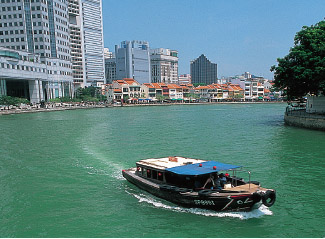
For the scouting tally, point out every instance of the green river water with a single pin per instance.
(60, 172)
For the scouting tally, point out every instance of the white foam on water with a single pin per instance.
(113, 169)
(256, 213)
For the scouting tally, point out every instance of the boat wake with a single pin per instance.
(113, 169)
(262, 211)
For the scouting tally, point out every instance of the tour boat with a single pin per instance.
(180, 180)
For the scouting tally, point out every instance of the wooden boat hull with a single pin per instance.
(208, 199)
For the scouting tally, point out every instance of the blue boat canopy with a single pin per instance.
(201, 168)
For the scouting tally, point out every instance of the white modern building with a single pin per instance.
(93, 42)
(108, 54)
(39, 29)
(133, 61)
(184, 79)
(76, 43)
(164, 66)
(24, 75)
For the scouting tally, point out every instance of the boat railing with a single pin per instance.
(235, 179)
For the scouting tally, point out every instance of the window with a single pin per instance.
(154, 174)
(148, 173)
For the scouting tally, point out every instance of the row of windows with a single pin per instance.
(23, 68)
(11, 24)
(14, 8)
(11, 1)
(13, 16)
(33, 69)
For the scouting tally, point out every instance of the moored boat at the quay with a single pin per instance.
(199, 184)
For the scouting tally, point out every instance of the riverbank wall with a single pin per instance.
(305, 120)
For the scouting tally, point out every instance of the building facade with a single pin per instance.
(24, 75)
(110, 70)
(39, 29)
(93, 42)
(203, 71)
(133, 61)
(184, 79)
(164, 66)
(76, 43)
(110, 66)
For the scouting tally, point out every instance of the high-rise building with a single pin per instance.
(203, 71)
(41, 29)
(108, 54)
(164, 66)
(86, 42)
(93, 41)
(133, 61)
(110, 66)
(184, 79)
(76, 43)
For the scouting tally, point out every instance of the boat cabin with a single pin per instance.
(183, 172)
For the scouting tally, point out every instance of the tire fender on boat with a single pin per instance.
(168, 188)
(205, 192)
(183, 190)
(256, 197)
(269, 195)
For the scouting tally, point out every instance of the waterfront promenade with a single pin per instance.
(300, 118)
(49, 107)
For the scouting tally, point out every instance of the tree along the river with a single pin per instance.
(302, 71)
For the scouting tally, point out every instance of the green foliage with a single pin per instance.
(55, 100)
(89, 94)
(238, 96)
(302, 71)
(125, 98)
(161, 97)
(88, 98)
(64, 100)
(193, 96)
(9, 100)
(198, 84)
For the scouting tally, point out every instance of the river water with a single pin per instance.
(60, 172)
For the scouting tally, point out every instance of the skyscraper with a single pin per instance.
(76, 43)
(203, 71)
(110, 66)
(164, 66)
(93, 41)
(86, 42)
(133, 61)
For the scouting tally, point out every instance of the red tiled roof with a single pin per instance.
(202, 87)
(148, 85)
(156, 85)
(173, 86)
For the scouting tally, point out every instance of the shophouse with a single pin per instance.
(129, 89)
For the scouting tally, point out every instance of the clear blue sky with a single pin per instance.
(238, 35)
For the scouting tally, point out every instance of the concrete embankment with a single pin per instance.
(305, 120)
(37, 110)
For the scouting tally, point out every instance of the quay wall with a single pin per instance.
(305, 122)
